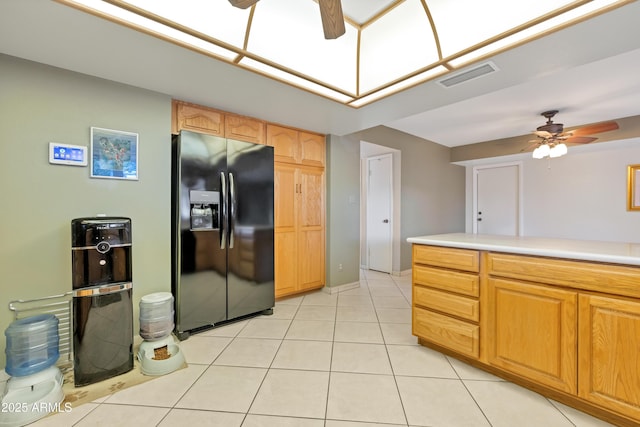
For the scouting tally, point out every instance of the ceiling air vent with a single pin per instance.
(475, 72)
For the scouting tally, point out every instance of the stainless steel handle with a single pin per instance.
(223, 203)
(232, 209)
(101, 290)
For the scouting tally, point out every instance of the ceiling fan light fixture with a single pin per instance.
(558, 150)
(551, 150)
(542, 151)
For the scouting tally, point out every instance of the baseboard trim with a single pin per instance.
(340, 288)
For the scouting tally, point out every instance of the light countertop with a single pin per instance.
(588, 250)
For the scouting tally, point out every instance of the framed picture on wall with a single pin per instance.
(633, 188)
(114, 154)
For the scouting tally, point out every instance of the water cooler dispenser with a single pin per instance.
(102, 305)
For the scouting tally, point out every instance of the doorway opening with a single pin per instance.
(379, 208)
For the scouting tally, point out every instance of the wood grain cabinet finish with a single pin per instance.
(452, 258)
(449, 332)
(299, 229)
(207, 120)
(569, 329)
(532, 332)
(244, 129)
(609, 353)
(197, 118)
(294, 146)
(446, 306)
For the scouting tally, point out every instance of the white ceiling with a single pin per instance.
(587, 71)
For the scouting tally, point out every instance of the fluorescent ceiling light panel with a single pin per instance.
(296, 41)
(295, 80)
(396, 45)
(285, 39)
(217, 19)
(401, 85)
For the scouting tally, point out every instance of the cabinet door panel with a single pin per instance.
(244, 129)
(311, 259)
(285, 193)
(609, 346)
(312, 148)
(284, 142)
(533, 329)
(311, 197)
(286, 268)
(199, 119)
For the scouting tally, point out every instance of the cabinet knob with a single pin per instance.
(386, 221)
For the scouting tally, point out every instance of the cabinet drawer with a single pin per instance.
(459, 259)
(458, 306)
(453, 281)
(443, 330)
(608, 278)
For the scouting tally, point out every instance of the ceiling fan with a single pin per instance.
(330, 13)
(552, 139)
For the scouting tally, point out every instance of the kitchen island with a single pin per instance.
(561, 317)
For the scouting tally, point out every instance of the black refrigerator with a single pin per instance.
(222, 231)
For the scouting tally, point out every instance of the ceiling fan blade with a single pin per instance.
(597, 128)
(530, 145)
(543, 134)
(243, 4)
(580, 139)
(332, 18)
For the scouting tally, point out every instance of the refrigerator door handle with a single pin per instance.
(223, 202)
(232, 209)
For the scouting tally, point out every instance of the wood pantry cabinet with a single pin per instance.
(299, 210)
(568, 329)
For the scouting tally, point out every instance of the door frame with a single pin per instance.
(474, 208)
(390, 204)
(369, 149)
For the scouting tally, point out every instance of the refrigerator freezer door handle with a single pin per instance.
(232, 209)
(223, 202)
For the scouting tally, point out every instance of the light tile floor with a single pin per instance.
(322, 360)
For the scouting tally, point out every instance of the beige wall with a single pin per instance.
(39, 104)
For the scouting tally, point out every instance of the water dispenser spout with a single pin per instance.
(205, 207)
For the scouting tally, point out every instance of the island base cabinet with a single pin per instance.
(609, 355)
(532, 332)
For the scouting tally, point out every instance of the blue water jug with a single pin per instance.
(32, 344)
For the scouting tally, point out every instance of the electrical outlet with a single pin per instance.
(339, 267)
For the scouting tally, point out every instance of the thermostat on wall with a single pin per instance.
(65, 154)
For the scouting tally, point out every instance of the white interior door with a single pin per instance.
(379, 213)
(497, 200)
